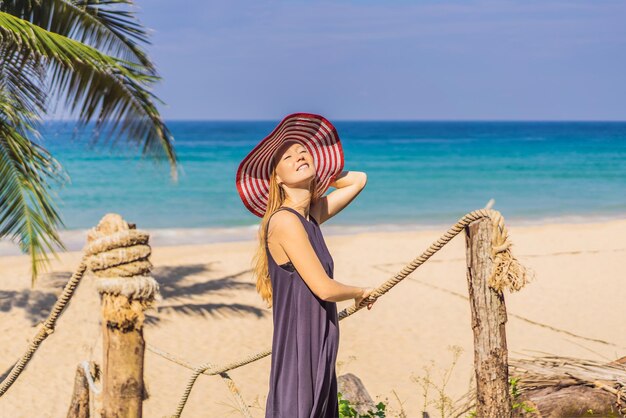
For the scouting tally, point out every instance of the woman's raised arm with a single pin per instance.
(348, 185)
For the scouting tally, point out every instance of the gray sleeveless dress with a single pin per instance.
(303, 380)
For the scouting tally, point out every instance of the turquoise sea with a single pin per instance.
(420, 174)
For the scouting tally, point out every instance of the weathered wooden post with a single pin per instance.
(79, 405)
(488, 324)
(119, 258)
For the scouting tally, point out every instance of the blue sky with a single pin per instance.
(424, 60)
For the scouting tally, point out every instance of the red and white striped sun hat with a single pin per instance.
(316, 133)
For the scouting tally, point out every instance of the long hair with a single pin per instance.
(276, 197)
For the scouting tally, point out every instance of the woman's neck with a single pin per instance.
(298, 198)
(302, 207)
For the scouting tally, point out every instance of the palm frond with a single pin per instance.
(108, 25)
(27, 212)
(22, 78)
(110, 89)
(97, 84)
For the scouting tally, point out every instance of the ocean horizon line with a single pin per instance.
(617, 121)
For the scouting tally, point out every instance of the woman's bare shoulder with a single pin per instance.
(284, 223)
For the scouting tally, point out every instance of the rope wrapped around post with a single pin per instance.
(507, 273)
(117, 255)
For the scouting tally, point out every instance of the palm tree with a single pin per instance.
(86, 55)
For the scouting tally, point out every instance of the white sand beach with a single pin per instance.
(210, 312)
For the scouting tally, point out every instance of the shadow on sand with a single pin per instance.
(181, 297)
(36, 303)
(179, 294)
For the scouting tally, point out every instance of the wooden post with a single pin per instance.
(123, 371)
(488, 324)
(79, 406)
(126, 291)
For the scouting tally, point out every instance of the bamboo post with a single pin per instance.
(488, 324)
(120, 261)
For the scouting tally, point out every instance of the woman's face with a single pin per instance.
(295, 167)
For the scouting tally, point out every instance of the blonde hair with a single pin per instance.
(276, 197)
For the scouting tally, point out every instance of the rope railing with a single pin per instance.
(105, 253)
(46, 329)
(507, 273)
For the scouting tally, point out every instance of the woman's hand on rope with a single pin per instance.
(364, 295)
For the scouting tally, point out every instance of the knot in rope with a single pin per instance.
(507, 271)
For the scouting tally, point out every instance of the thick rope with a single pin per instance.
(507, 273)
(229, 382)
(119, 260)
(47, 327)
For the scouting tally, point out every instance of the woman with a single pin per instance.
(283, 180)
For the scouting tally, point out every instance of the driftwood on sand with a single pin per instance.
(561, 387)
(568, 387)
